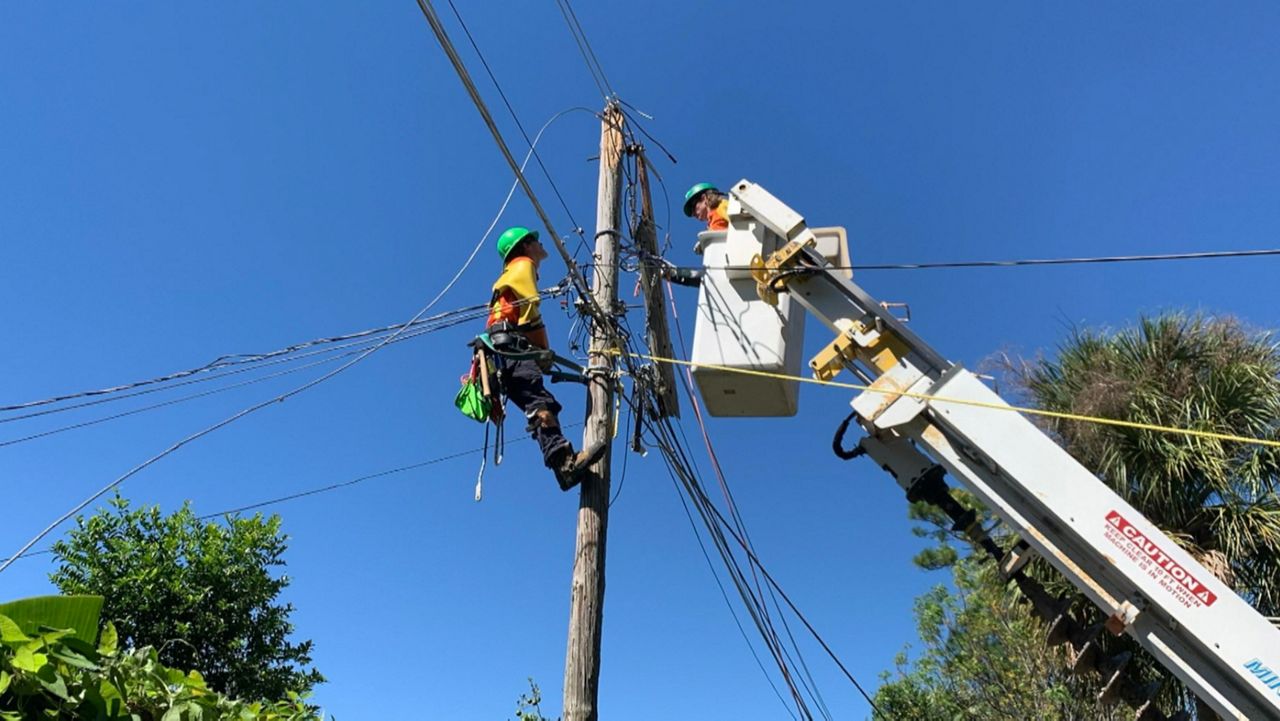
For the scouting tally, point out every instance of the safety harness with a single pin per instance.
(500, 343)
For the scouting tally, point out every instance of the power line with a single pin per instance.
(175, 401)
(519, 125)
(225, 422)
(443, 320)
(417, 332)
(288, 394)
(1035, 261)
(679, 463)
(724, 594)
(221, 362)
(584, 46)
(243, 358)
(354, 481)
(720, 521)
(579, 284)
(325, 489)
(632, 121)
(813, 631)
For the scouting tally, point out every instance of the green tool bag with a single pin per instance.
(471, 400)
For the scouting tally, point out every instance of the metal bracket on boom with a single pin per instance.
(780, 265)
(829, 361)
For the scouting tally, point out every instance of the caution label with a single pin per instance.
(1170, 574)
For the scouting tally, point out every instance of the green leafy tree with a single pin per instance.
(1216, 499)
(984, 657)
(53, 674)
(203, 593)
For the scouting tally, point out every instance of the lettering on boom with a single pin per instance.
(1170, 574)
(1264, 674)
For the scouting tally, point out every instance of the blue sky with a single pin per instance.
(182, 182)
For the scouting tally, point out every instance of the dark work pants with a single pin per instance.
(522, 383)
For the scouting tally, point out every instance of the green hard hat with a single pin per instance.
(691, 197)
(511, 237)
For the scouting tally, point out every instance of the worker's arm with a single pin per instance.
(691, 277)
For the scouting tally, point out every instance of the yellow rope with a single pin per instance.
(967, 402)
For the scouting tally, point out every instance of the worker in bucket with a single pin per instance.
(516, 332)
(706, 203)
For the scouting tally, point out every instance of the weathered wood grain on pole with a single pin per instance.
(655, 308)
(586, 609)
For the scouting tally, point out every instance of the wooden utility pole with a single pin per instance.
(655, 307)
(586, 610)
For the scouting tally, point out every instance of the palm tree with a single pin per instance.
(1217, 499)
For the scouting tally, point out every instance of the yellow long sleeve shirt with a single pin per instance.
(516, 299)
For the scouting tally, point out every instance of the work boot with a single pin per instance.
(574, 465)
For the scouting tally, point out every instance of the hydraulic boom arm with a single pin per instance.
(1148, 586)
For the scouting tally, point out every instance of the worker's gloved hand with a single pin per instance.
(681, 276)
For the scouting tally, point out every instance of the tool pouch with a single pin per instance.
(471, 401)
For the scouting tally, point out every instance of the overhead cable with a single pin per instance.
(679, 463)
(223, 362)
(246, 358)
(532, 144)
(246, 364)
(701, 501)
(790, 604)
(415, 333)
(446, 44)
(225, 422)
(584, 47)
(328, 488)
(277, 399)
(664, 432)
(1036, 261)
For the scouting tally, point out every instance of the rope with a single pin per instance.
(968, 402)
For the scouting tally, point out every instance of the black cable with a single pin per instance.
(677, 458)
(253, 362)
(595, 76)
(323, 489)
(678, 462)
(694, 487)
(584, 47)
(755, 561)
(74, 426)
(230, 360)
(175, 401)
(724, 594)
(631, 417)
(442, 36)
(1039, 261)
(536, 156)
(732, 502)
(644, 132)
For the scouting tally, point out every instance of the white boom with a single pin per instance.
(1153, 590)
